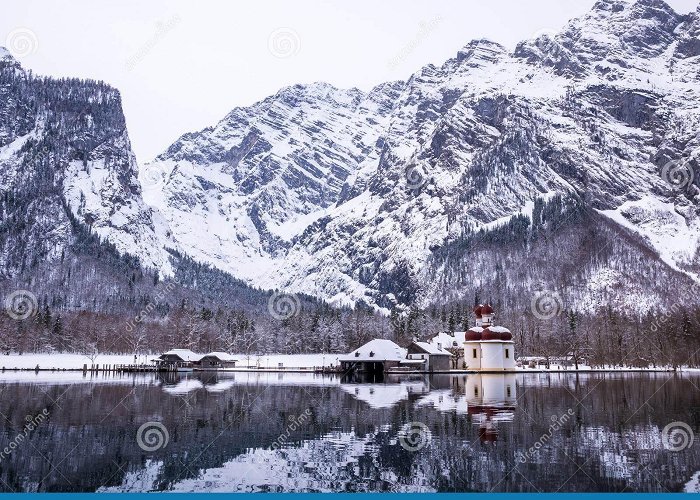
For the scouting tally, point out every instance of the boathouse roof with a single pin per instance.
(376, 350)
(183, 354)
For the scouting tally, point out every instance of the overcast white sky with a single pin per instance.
(182, 65)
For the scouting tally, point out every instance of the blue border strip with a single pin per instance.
(365, 496)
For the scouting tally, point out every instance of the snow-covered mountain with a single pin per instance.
(356, 196)
(66, 159)
(568, 164)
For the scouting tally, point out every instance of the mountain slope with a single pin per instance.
(65, 151)
(604, 113)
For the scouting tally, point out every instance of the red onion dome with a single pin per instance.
(502, 331)
(489, 334)
(477, 311)
(487, 309)
(473, 333)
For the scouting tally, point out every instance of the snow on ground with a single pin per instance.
(693, 485)
(47, 361)
(64, 361)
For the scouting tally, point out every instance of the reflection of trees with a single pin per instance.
(612, 426)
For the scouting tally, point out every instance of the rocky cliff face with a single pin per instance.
(579, 147)
(66, 159)
(353, 196)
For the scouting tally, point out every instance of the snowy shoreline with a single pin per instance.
(257, 364)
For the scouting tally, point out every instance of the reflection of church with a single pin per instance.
(491, 399)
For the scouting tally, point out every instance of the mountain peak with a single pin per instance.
(481, 51)
(5, 54)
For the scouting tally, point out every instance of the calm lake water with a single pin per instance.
(299, 432)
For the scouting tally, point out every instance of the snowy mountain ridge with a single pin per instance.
(329, 192)
(491, 174)
(66, 158)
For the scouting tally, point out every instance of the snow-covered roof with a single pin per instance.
(376, 350)
(499, 329)
(184, 354)
(446, 340)
(222, 356)
(431, 348)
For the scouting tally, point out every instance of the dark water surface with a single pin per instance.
(299, 432)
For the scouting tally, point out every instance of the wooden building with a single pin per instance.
(434, 358)
(216, 360)
(376, 356)
(177, 360)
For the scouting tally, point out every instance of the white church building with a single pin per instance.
(488, 348)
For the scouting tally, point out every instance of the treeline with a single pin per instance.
(663, 337)
(669, 337)
(310, 329)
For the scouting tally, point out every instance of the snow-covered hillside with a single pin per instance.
(347, 195)
(569, 164)
(66, 158)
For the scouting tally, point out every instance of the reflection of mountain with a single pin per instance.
(225, 439)
(324, 465)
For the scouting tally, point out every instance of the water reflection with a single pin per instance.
(223, 428)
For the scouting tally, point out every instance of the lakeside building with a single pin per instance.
(381, 355)
(433, 357)
(376, 356)
(215, 360)
(187, 360)
(488, 348)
